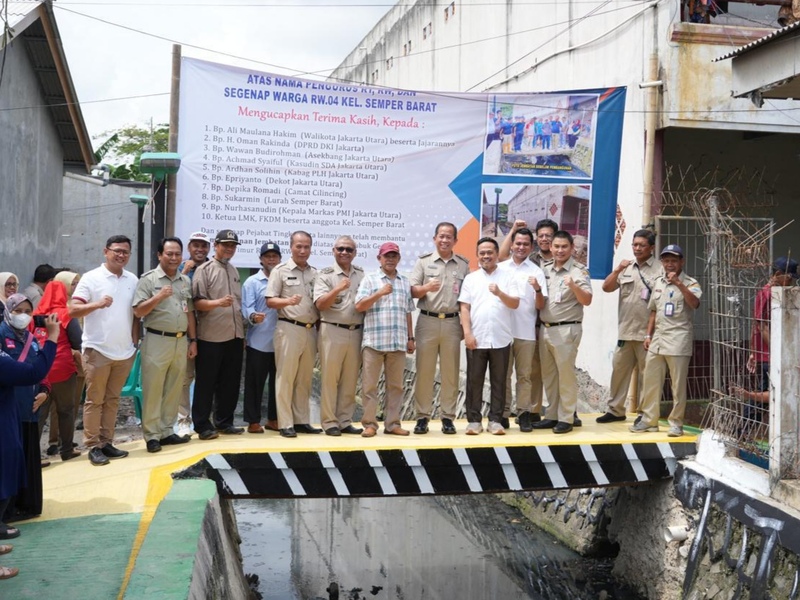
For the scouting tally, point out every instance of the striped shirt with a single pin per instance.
(385, 325)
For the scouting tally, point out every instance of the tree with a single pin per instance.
(123, 149)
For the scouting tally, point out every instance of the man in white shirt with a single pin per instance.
(487, 299)
(533, 292)
(103, 298)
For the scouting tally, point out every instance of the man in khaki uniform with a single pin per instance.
(198, 247)
(217, 294)
(290, 292)
(163, 299)
(669, 341)
(634, 280)
(569, 289)
(339, 338)
(436, 282)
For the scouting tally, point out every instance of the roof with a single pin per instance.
(33, 23)
(778, 33)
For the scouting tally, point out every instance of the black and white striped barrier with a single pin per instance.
(410, 472)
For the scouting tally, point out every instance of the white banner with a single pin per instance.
(266, 155)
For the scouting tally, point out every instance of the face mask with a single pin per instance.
(19, 321)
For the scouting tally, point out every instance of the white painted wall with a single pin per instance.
(512, 46)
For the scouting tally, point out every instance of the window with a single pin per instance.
(450, 11)
(389, 63)
(427, 31)
(405, 49)
(375, 76)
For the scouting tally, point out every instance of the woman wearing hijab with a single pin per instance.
(19, 343)
(9, 284)
(13, 374)
(70, 281)
(63, 374)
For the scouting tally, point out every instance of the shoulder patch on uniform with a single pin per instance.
(326, 270)
(426, 255)
(280, 266)
(148, 272)
(357, 268)
(465, 259)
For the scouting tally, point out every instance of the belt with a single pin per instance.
(177, 334)
(300, 323)
(428, 313)
(561, 323)
(343, 326)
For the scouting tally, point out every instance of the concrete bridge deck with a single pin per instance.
(95, 519)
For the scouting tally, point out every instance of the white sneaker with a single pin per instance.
(184, 427)
(641, 427)
(496, 428)
(675, 431)
(474, 428)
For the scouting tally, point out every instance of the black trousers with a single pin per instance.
(218, 374)
(477, 360)
(259, 367)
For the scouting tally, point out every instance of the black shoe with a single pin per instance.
(525, 424)
(70, 456)
(422, 426)
(351, 430)
(231, 430)
(52, 450)
(576, 422)
(288, 432)
(545, 424)
(447, 426)
(208, 434)
(535, 417)
(174, 439)
(153, 446)
(609, 418)
(112, 452)
(306, 428)
(505, 422)
(97, 458)
(562, 427)
(334, 431)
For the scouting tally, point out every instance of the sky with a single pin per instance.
(113, 61)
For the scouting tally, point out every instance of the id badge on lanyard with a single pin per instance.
(669, 307)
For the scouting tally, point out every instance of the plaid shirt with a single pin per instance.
(385, 327)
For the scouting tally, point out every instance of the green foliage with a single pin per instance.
(124, 147)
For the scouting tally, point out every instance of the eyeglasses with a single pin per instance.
(119, 252)
(346, 249)
(12, 284)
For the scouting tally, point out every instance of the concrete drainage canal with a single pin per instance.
(467, 547)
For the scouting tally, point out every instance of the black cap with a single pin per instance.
(226, 235)
(673, 249)
(270, 247)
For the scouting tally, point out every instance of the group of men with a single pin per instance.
(520, 312)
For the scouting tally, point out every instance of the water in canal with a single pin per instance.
(448, 547)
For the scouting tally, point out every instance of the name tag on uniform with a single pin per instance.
(292, 281)
(669, 309)
(184, 306)
(557, 295)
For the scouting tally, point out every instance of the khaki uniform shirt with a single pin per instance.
(286, 280)
(450, 272)
(673, 336)
(171, 314)
(211, 281)
(635, 288)
(538, 259)
(562, 305)
(343, 310)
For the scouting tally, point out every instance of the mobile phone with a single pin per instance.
(39, 320)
